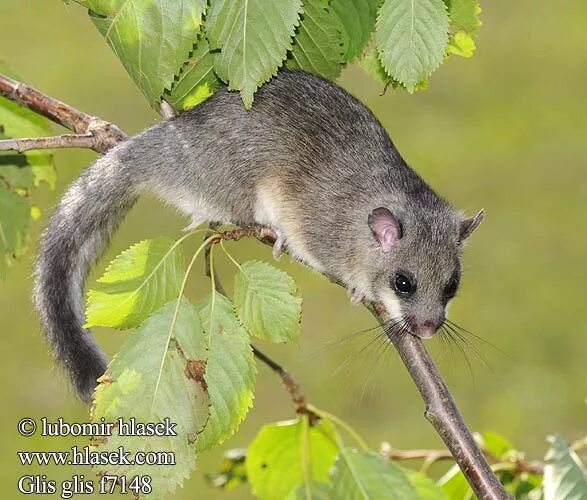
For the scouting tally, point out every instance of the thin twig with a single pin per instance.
(433, 455)
(60, 141)
(105, 135)
(290, 384)
(516, 465)
(213, 226)
(442, 412)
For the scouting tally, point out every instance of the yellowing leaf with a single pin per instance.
(158, 374)
(230, 373)
(464, 14)
(461, 44)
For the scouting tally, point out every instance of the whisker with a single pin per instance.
(357, 353)
(476, 337)
(472, 347)
(381, 350)
(348, 338)
(461, 345)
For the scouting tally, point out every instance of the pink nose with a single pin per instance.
(425, 330)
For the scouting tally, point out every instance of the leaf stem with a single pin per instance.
(213, 283)
(340, 423)
(232, 259)
(206, 242)
(306, 459)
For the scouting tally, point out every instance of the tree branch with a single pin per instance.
(60, 141)
(91, 132)
(290, 384)
(441, 410)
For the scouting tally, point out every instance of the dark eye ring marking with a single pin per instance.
(450, 290)
(403, 284)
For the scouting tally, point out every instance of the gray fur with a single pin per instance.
(308, 160)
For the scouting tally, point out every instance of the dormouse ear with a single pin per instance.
(470, 224)
(385, 227)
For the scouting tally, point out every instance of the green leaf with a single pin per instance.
(267, 303)
(253, 37)
(564, 477)
(43, 168)
(318, 47)
(412, 38)
(15, 171)
(158, 374)
(197, 80)
(136, 283)
(464, 14)
(425, 487)
(286, 455)
(151, 38)
(16, 121)
(496, 444)
(367, 476)
(455, 485)
(313, 491)
(461, 44)
(230, 373)
(358, 20)
(15, 217)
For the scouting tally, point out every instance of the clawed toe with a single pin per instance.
(355, 295)
(278, 246)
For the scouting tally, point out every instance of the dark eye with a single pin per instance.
(403, 285)
(450, 290)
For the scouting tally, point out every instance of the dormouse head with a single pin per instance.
(419, 269)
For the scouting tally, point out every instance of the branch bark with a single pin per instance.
(91, 132)
(441, 410)
(60, 141)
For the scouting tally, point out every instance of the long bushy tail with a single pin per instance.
(76, 236)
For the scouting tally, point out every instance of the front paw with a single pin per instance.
(355, 295)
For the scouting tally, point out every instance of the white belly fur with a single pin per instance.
(271, 211)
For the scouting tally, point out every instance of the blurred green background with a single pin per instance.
(505, 130)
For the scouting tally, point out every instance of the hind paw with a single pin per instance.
(278, 245)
